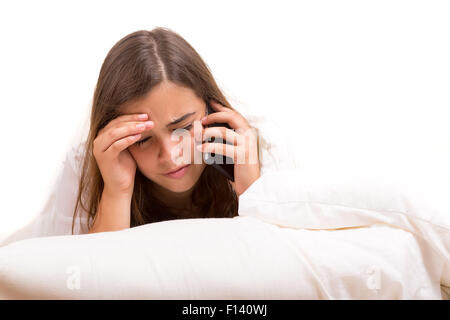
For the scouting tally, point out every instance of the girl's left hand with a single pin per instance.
(244, 148)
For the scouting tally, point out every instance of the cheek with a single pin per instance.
(144, 161)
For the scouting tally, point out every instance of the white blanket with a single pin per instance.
(329, 199)
(240, 258)
(300, 235)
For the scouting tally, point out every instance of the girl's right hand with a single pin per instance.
(117, 166)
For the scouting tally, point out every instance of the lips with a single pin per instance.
(175, 170)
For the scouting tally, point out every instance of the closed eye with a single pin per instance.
(189, 127)
(142, 141)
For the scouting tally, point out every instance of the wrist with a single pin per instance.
(113, 212)
(119, 195)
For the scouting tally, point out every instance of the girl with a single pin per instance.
(150, 84)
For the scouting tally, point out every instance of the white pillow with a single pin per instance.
(237, 258)
(330, 198)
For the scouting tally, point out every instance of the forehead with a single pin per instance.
(165, 101)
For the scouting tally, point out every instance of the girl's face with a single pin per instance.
(155, 151)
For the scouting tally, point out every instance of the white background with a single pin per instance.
(359, 83)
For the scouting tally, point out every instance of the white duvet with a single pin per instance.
(303, 233)
(300, 235)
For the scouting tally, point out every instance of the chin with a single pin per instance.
(180, 184)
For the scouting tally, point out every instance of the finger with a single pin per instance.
(227, 135)
(217, 106)
(109, 136)
(136, 117)
(118, 146)
(233, 119)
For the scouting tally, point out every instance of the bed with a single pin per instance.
(301, 233)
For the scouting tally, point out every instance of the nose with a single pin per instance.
(165, 148)
(171, 151)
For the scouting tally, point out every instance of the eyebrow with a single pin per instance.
(173, 122)
(180, 119)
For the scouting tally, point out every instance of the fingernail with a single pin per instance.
(203, 119)
(142, 116)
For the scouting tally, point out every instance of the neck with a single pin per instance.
(176, 200)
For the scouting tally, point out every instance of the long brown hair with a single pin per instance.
(134, 65)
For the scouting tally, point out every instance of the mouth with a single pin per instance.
(178, 172)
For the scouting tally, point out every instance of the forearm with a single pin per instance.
(113, 213)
